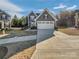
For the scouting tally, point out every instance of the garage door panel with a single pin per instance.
(45, 26)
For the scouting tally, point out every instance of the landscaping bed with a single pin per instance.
(70, 31)
(19, 50)
(27, 52)
(1, 32)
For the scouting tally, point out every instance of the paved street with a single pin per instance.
(60, 46)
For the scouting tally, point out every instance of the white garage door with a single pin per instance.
(45, 25)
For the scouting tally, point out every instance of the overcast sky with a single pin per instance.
(23, 7)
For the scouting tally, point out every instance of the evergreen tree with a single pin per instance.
(15, 21)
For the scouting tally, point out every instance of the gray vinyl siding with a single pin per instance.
(42, 17)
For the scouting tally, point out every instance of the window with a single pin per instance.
(3, 16)
(45, 16)
(8, 18)
(31, 17)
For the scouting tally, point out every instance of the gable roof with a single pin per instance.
(3, 12)
(37, 14)
(46, 11)
(32, 13)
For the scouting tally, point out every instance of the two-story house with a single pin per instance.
(4, 20)
(31, 19)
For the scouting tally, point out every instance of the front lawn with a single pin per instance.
(19, 33)
(70, 31)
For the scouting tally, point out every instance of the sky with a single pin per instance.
(23, 7)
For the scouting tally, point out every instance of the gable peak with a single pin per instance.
(45, 9)
(31, 12)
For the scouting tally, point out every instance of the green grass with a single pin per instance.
(19, 33)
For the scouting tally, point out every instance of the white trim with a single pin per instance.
(28, 21)
(52, 15)
(2, 24)
(44, 22)
(45, 25)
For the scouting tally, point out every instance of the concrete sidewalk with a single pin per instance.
(60, 46)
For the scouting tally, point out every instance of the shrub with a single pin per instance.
(34, 27)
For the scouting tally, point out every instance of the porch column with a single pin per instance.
(3, 27)
(10, 23)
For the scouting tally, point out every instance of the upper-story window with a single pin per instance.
(8, 18)
(31, 17)
(45, 16)
(3, 16)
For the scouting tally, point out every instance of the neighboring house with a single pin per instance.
(31, 19)
(46, 17)
(4, 20)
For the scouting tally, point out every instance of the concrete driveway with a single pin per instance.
(60, 46)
